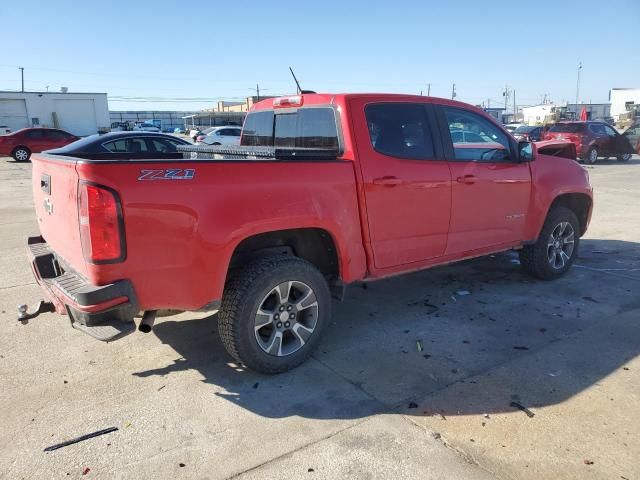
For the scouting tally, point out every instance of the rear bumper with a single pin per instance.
(105, 312)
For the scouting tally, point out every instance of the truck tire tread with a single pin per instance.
(238, 292)
(533, 258)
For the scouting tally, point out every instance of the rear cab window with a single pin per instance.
(312, 128)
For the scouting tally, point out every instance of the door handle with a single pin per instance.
(468, 179)
(387, 181)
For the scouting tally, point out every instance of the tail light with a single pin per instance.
(199, 138)
(101, 224)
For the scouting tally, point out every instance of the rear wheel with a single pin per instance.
(624, 157)
(592, 156)
(21, 154)
(556, 248)
(273, 313)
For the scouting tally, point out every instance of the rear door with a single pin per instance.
(603, 142)
(490, 189)
(407, 183)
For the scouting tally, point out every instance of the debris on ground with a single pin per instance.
(554, 374)
(310, 470)
(518, 347)
(80, 439)
(413, 405)
(486, 415)
(462, 293)
(86, 470)
(419, 345)
(542, 330)
(453, 298)
(255, 385)
(587, 461)
(161, 387)
(436, 436)
(519, 406)
(182, 464)
(590, 299)
(426, 355)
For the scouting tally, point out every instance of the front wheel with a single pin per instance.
(556, 248)
(624, 157)
(273, 313)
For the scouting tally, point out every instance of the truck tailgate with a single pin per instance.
(55, 194)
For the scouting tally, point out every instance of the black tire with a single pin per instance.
(624, 158)
(536, 258)
(21, 154)
(246, 291)
(591, 157)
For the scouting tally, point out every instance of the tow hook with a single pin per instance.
(43, 307)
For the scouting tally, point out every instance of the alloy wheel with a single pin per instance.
(560, 245)
(286, 318)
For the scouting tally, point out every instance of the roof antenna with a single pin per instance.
(300, 90)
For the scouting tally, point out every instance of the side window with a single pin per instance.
(475, 138)
(610, 131)
(35, 134)
(56, 135)
(400, 130)
(161, 145)
(597, 128)
(117, 146)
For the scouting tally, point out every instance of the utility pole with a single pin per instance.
(506, 94)
(453, 91)
(488, 103)
(578, 87)
(428, 89)
(22, 75)
(515, 110)
(258, 91)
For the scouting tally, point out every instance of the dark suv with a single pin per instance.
(592, 140)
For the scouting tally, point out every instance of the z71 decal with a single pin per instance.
(169, 174)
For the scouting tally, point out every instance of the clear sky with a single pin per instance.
(186, 55)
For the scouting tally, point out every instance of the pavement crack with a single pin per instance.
(301, 447)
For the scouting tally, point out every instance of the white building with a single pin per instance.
(621, 97)
(536, 114)
(77, 113)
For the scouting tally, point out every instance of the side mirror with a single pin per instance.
(526, 151)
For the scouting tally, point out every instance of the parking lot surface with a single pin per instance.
(472, 370)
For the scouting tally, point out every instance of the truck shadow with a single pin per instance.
(464, 339)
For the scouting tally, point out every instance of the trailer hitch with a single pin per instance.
(43, 307)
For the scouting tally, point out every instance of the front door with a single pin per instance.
(407, 188)
(490, 188)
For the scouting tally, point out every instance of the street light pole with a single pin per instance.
(22, 75)
(578, 87)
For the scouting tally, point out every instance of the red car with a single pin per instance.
(22, 143)
(323, 191)
(592, 140)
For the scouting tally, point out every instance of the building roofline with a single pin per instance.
(54, 93)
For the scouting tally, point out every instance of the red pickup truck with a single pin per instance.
(323, 191)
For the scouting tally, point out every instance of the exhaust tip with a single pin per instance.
(148, 319)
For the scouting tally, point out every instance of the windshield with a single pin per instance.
(567, 128)
(525, 129)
